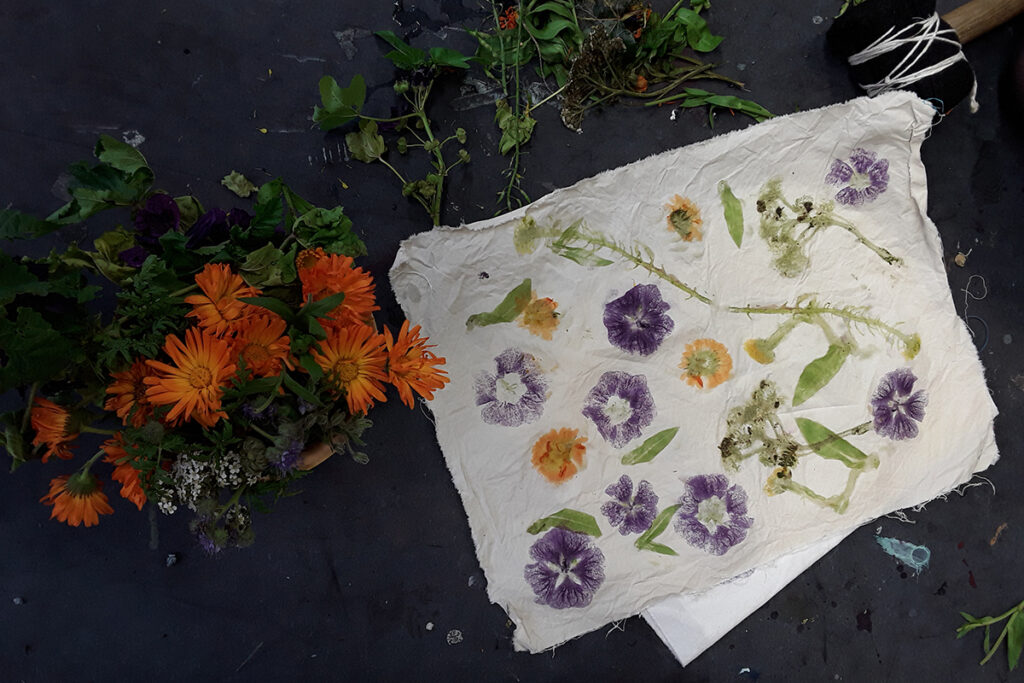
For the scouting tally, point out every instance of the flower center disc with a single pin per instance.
(711, 512)
(860, 181)
(510, 388)
(255, 355)
(346, 371)
(703, 363)
(617, 410)
(200, 378)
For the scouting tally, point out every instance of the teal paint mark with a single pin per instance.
(914, 556)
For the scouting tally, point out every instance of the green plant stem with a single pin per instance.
(543, 101)
(882, 252)
(261, 432)
(231, 502)
(96, 430)
(183, 290)
(648, 266)
(90, 461)
(28, 405)
(824, 310)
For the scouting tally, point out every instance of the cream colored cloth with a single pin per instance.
(620, 253)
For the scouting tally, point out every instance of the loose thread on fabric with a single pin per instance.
(968, 295)
(921, 35)
(976, 480)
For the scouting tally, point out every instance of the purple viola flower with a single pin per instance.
(636, 321)
(896, 406)
(515, 394)
(158, 216)
(863, 178)
(620, 405)
(134, 256)
(239, 217)
(211, 227)
(631, 514)
(712, 515)
(567, 569)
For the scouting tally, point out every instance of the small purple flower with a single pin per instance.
(288, 458)
(631, 514)
(211, 227)
(636, 321)
(515, 394)
(712, 515)
(567, 570)
(158, 216)
(620, 405)
(897, 407)
(864, 177)
(134, 256)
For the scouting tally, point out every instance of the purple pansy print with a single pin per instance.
(896, 406)
(864, 177)
(621, 406)
(567, 571)
(515, 394)
(636, 321)
(631, 514)
(712, 515)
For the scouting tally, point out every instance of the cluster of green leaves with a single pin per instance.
(413, 128)
(1012, 632)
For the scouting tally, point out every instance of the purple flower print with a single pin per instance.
(567, 570)
(621, 406)
(864, 177)
(896, 406)
(636, 321)
(515, 394)
(631, 514)
(712, 515)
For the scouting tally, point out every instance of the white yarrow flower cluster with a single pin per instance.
(228, 470)
(191, 479)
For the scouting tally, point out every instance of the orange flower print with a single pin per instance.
(706, 364)
(684, 219)
(540, 317)
(128, 394)
(77, 499)
(325, 274)
(218, 308)
(411, 367)
(53, 429)
(558, 455)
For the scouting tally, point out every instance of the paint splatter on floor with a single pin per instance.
(864, 621)
(914, 556)
(1002, 527)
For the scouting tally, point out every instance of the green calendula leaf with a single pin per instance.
(15, 225)
(238, 183)
(14, 442)
(444, 56)
(340, 105)
(190, 210)
(820, 372)
(366, 145)
(830, 445)
(698, 35)
(320, 308)
(120, 155)
(733, 211)
(404, 56)
(1014, 639)
(301, 391)
(33, 350)
(650, 448)
(16, 279)
(106, 258)
(515, 130)
(580, 255)
(508, 310)
(263, 268)
(660, 523)
(573, 520)
(330, 229)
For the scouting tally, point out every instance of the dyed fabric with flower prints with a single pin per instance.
(726, 377)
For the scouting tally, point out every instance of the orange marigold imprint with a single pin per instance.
(261, 344)
(684, 219)
(77, 498)
(558, 455)
(325, 274)
(52, 424)
(540, 317)
(195, 383)
(124, 471)
(759, 350)
(354, 360)
(128, 394)
(411, 367)
(218, 308)
(706, 364)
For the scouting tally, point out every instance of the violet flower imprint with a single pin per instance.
(515, 393)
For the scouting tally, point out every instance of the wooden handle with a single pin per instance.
(979, 16)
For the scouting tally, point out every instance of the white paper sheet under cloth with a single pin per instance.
(697, 408)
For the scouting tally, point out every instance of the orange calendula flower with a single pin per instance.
(706, 364)
(558, 454)
(128, 394)
(540, 317)
(218, 308)
(684, 219)
(77, 498)
(52, 424)
(354, 360)
(325, 274)
(411, 367)
(509, 19)
(261, 344)
(124, 471)
(195, 383)
(641, 82)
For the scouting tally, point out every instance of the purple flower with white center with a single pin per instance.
(160, 215)
(896, 406)
(864, 177)
(515, 394)
(631, 514)
(636, 321)
(567, 569)
(620, 405)
(712, 515)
